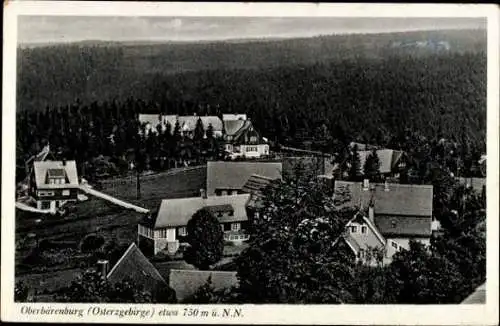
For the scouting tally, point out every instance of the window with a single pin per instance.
(45, 204)
(182, 232)
(235, 227)
(363, 229)
(230, 213)
(65, 192)
(45, 193)
(354, 228)
(394, 244)
(253, 139)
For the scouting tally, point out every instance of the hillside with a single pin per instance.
(56, 75)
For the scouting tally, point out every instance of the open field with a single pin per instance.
(97, 216)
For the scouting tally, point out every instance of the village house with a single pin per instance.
(134, 266)
(187, 124)
(243, 141)
(54, 183)
(399, 213)
(226, 178)
(168, 228)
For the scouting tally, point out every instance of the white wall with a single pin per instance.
(262, 149)
(405, 242)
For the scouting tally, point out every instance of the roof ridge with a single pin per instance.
(129, 249)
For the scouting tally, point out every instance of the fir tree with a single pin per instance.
(355, 166)
(371, 168)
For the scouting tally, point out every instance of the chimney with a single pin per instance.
(371, 214)
(203, 193)
(102, 267)
(386, 186)
(64, 162)
(366, 184)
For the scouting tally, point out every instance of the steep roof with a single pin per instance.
(231, 127)
(177, 212)
(234, 175)
(478, 296)
(237, 116)
(187, 282)
(411, 226)
(135, 266)
(401, 199)
(154, 120)
(188, 122)
(55, 169)
(256, 184)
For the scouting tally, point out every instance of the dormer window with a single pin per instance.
(56, 176)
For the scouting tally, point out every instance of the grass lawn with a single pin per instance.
(101, 217)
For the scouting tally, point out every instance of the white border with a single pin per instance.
(259, 314)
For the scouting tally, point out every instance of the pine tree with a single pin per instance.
(355, 166)
(199, 130)
(371, 168)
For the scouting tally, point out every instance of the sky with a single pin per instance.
(58, 29)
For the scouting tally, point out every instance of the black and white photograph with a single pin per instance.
(228, 160)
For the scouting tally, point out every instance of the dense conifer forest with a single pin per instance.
(320, 92)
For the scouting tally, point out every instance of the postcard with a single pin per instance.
(250, 163)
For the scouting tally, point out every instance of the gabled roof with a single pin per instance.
(237, 116)
(231, 127)
(401, 199)
(55, 168)
(404, 226)
(234, 175)
(256, 184)
(478, 296)
(135, 266)
(177, 212)
(187, 282)
(189, 122)
(154, 120)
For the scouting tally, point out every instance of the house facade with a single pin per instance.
(396, 213)
(53, 184)
(243, 141)
(168, 229)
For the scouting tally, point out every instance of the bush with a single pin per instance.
(91, 243)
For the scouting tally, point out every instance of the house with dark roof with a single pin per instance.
(399, 212)
(361, 237)
(54, 183)
(226, 178)
(168, 228)
(187, 282)
(243, 141)
(134, 266)
(152, 122)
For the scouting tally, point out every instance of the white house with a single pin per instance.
(54, 183)
(243, 141)
(168, 229)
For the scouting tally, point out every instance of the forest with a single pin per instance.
(360, 88)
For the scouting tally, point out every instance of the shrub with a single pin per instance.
(91, 243)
